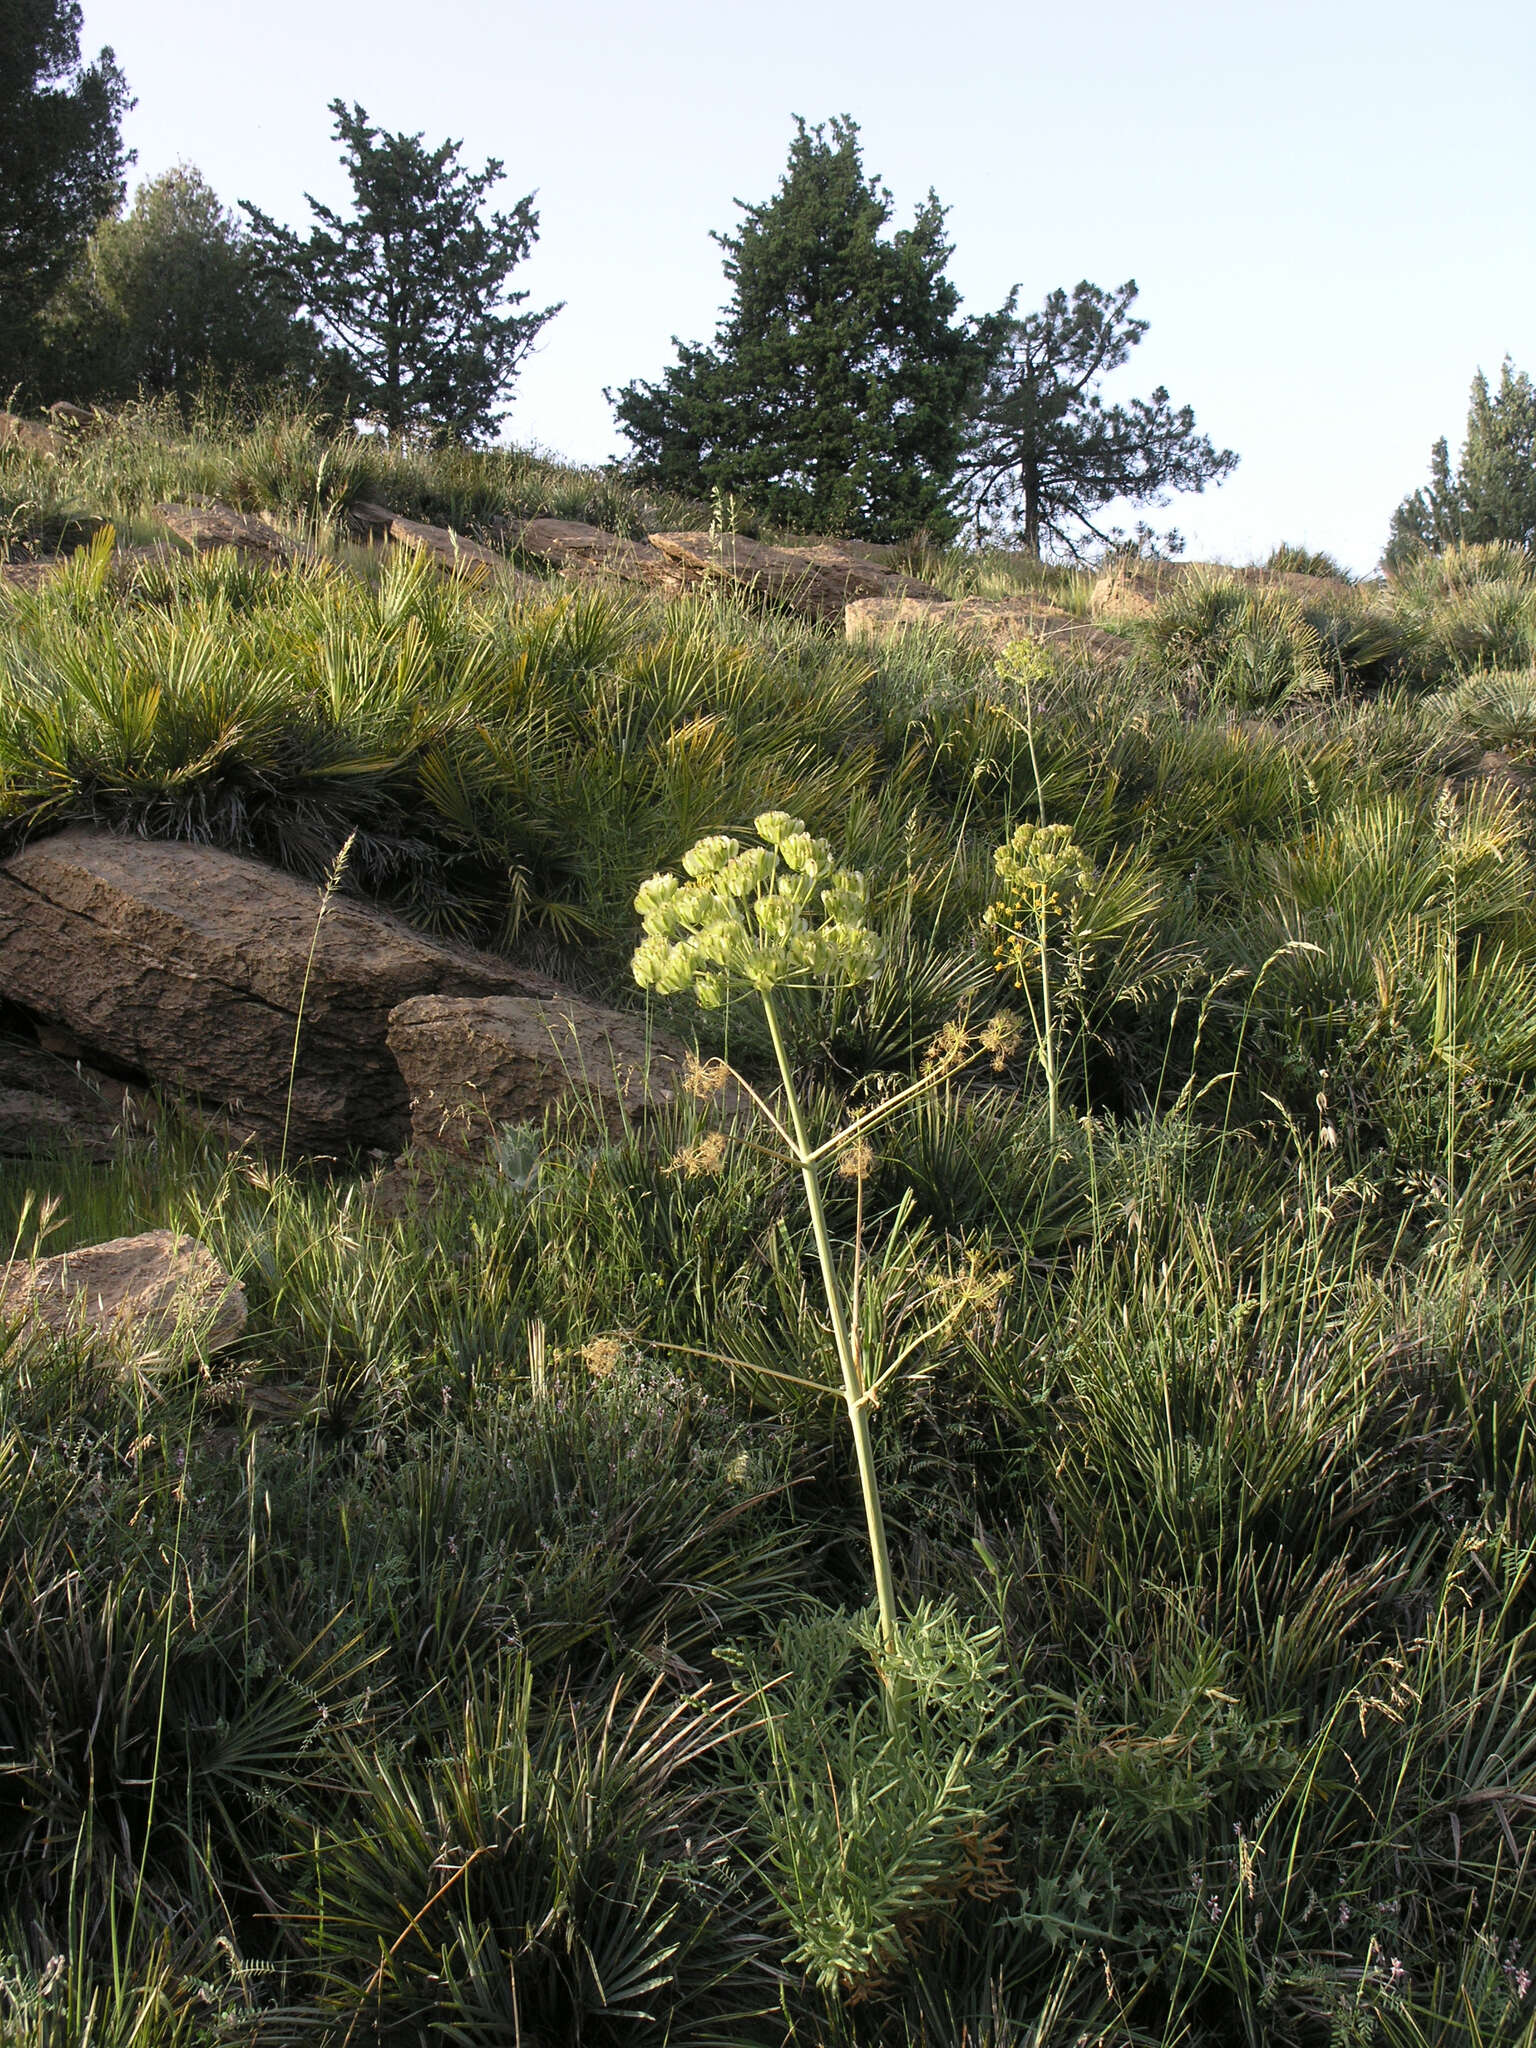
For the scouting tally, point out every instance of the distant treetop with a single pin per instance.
(1491, 494)
(61, 162)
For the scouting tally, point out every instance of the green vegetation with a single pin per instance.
(1044, 455)
(833, 394)
(484, 1650)
(409, 290)
(1491, 494)
(61, 162)
(172, 297)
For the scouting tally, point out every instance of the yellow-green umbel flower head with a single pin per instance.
(1042, 870)
(781, 914)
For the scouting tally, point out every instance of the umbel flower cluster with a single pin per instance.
(1042, 870)
(778, 915)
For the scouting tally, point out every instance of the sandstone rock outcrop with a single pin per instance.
(820, 583)
(151, 1296)
(124, 561)
(576, 549)
(188, 964)
(1132, 590)
(474, 1063)
(452, 552)
(220, 526)
(30, 435)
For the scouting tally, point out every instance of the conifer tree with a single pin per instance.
(411, 287)
(1491, 494)
(832, 394)
(1045, 454)
(61, 163)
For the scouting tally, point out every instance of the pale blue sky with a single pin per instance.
(1329, 207)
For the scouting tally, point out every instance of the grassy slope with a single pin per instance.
(375, 1682)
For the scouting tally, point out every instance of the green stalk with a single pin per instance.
(853, 1384)
(1048, 1043)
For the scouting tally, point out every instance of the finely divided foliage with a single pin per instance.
(497, 1645)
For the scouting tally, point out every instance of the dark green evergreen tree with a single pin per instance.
(170, 296)
(1491, 495)
(832, 396)
(61, 164)
(1044, 454)
(410, 288)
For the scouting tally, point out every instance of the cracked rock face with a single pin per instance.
(188, 965)
(473, 1064)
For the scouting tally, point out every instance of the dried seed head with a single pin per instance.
(601, 1356)
(701, 1160)
(858, 1162)
(704, 1079)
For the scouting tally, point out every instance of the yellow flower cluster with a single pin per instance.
(763, 917)
(1042, 869)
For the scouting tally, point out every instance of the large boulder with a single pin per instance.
(48, 1105)
(992, 622)
(153, 1296)
(819, 580)
(189, 965)
(473, 1064)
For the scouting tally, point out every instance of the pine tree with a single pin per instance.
(410, 288)
(831, 397)
(61, 163)
(1044, 453)
(1491, 494)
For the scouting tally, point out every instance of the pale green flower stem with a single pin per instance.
(1048, 1038)
(855, 1394)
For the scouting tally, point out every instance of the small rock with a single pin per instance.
(153, 1296)
(65, 413)
(473, 1063)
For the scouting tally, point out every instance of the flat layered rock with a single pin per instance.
(996, 622)
(188, 965)
(152, 1296)
(576, 549)
(1132, 590)
(204, 527)
(454, 554)
(474, 1064)
(820, 584)
(124, 561)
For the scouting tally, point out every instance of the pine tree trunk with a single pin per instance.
(1031, 480)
